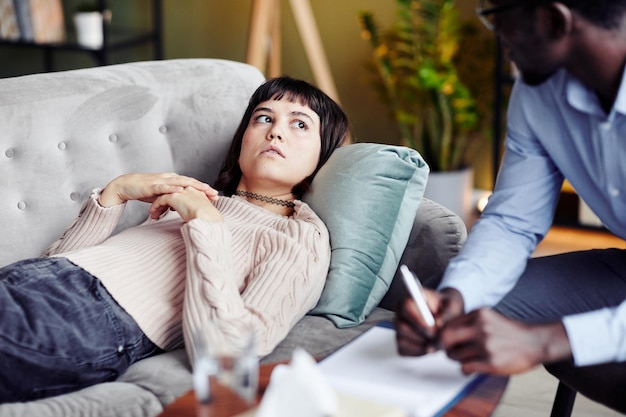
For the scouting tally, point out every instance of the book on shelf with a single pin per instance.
(22, 12)
(47, 20)
(39, 21)
(370, 368)
(9, 28)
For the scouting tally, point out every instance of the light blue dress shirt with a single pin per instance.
(556, 130)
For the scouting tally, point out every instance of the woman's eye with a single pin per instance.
(299, 124)
(263, 119)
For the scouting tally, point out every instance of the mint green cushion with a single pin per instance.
(368, 195)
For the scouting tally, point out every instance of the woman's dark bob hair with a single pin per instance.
(334, 129)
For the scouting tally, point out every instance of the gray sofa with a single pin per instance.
(65, 133)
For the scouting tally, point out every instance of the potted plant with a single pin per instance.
(89, 21)
(416, 76)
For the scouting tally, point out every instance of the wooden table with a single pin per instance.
(480, 402)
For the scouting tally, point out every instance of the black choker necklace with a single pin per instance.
(266, 199)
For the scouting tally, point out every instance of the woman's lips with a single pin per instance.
(272, 150)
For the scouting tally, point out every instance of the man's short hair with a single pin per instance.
(604, 13)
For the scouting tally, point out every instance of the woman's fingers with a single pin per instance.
(190, 203)
(148, 186)
(178, 182)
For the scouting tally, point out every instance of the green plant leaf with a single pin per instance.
(415, 70)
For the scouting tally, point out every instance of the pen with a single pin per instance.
(415, 289)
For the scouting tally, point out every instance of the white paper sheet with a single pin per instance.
(370, 367)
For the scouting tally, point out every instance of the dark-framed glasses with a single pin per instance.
(487, 10)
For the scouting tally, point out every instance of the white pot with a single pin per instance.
(89, 29)
(453, 190)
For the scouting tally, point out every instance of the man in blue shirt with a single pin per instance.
(498, 311)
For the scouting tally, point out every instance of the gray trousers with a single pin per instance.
(576, 282)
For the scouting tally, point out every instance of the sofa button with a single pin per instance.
(9, 153)
(74, 196)
(113, 138)
(21, 205)
(163, 129)
(62, 146)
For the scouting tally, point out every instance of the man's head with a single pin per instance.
(604, 13)
(542, 36)
(607, 14)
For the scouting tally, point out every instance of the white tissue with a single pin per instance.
(298, 389)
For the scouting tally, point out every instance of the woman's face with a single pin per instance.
(280, 147)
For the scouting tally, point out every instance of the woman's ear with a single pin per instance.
(557, 19)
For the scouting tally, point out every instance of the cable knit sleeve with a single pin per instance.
(92, 226)
(288, 271)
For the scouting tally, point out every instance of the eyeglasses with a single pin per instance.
(486, 11)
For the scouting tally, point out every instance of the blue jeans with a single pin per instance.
(60, 331)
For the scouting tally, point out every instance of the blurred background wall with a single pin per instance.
(219, 29)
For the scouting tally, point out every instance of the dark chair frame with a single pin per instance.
(563, 401)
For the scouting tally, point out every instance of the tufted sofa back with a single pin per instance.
(64, 134)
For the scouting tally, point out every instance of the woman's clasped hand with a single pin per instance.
(188, 196)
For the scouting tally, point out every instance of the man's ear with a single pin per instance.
(557, 19)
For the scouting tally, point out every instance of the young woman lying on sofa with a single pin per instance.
(254, 258)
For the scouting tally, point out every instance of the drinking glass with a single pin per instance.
(238, 371)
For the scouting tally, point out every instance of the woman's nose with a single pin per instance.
(275, 134)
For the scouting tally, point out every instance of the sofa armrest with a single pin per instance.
(436, 237)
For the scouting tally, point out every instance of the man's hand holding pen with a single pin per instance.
(483, 340)
(414, 337)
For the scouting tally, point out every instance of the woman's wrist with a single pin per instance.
(109, 197)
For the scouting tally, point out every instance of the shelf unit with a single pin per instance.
(114, 39)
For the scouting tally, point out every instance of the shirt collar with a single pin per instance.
(620, 101)
(585, 100)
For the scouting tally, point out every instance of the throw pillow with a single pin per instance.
(368, 195)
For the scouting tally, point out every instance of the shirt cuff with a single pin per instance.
(465, 283)
(592, 337)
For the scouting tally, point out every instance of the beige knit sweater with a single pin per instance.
(255, 270)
